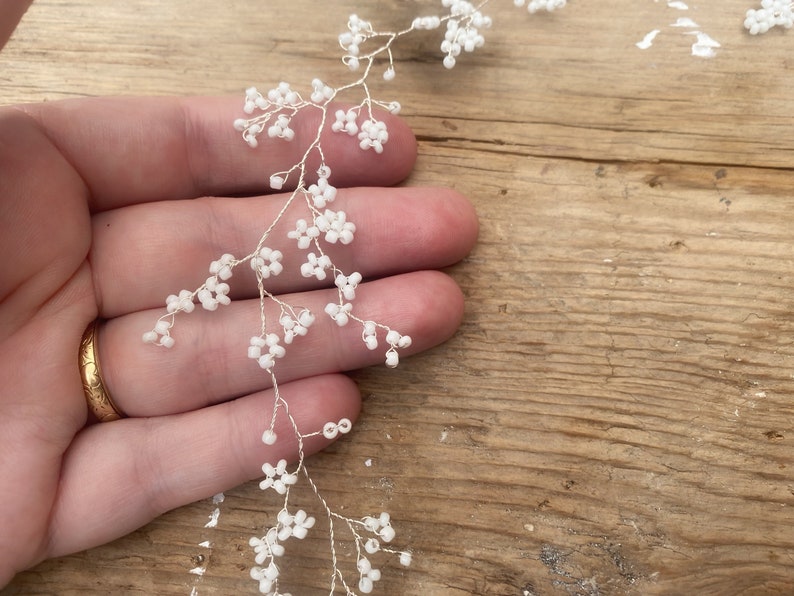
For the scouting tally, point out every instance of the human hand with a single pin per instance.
(109, 205)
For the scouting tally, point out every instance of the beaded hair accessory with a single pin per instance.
(365, 50)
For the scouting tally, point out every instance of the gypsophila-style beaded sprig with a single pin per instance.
(364, 49)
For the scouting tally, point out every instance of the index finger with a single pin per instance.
(133, 150)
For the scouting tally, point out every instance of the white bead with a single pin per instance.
(388, 75)
(330, 430)
(405, 559)
(364, 565)
(150, 337)
(269, 437)
(344, 426)
(387, 534)
(167, 341)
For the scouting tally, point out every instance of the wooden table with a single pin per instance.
(616, 414)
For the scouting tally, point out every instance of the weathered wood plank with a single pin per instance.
(615, 414)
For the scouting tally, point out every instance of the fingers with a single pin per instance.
(11, 12)
(209, 362)
(142, 254)
(118, 476)
(135, 150)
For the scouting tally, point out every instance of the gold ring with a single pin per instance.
(96, 394)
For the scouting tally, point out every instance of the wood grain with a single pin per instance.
(615, 414)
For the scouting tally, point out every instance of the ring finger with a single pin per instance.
(209, 363)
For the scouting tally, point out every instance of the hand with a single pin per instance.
(106, 207)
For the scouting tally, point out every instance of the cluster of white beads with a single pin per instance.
(345, 122)
(340, 313)
(321, 92)
(271, 343)
(395, 340)
(283, 95)
(160, 334)
(381, 526)
(214, 293)
(253, 100)
(373, 134)
(268, 547)
(304, 233)
(463, 30)
(426, 23)
(332, 429)
(322, 192)
(347, 284)
(537, 5)
(297, 525)
(223, 266)
(315, 266)
(296, 327)
(182, 301)
(358, 31)
(277, 478)
(772, 13)
(335, 226)
(267, 262)
(369, 575)
(280, 129)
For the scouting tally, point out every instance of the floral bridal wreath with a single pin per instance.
(366, 52)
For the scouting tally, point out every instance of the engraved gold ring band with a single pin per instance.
(99, 401)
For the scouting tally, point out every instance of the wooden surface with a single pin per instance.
(615, 415)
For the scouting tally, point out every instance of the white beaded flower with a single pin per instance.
(369, 575)
(374, 134)
(303, 233)
(537, 5)
(336, 227)
(322, 193)
(297, 525)
(772, 13)
(214, 293)
(283, 95)
(315, 266)
(381, 526)
(277, 477)
(183, 301)
(280, 129)
(267, 546)
(267, 262)
(395, 340)
(296, 327)
(339, 312)
(160, 334)
(347, 284)
(345, 122)
(271, 343)
(321, 92)
(223, 266)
